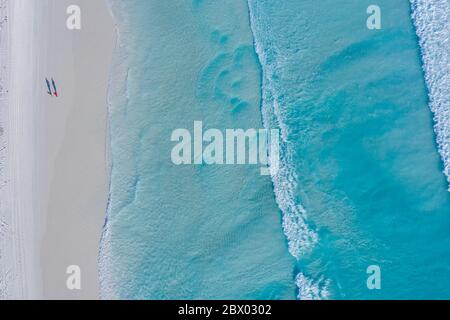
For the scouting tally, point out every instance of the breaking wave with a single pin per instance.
(432, 21)
(312, 290)
(300, 236)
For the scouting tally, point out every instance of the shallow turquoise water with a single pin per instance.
(361, 182)
(188, 231)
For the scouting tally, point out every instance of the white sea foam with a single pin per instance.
(432, 22)
(301, 238)
(312, 290)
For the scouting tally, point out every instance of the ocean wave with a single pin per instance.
(312, 289)
(300, 236)
(432, 21)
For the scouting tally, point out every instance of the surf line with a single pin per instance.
(235, 147)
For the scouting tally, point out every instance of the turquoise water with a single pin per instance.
(361, 180)
(188, 231)
(354, 106)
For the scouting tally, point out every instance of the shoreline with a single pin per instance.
(142, 213)
(57, 147)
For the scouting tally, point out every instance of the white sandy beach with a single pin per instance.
(57, 156)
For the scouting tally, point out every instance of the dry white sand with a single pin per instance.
(59, 162)
(21, 254)
(74, 165)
